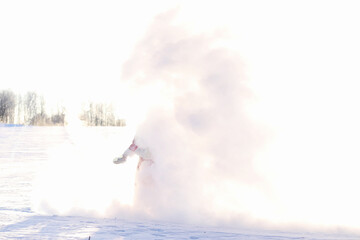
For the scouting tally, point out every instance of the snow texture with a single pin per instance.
(24, 151)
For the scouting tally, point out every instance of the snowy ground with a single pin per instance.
(24, 151)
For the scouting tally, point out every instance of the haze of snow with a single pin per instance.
(226, 151)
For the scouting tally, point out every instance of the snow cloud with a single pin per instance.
(245, 141)
(201, 135)
(263, 130)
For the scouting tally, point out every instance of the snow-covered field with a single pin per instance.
(26, 151)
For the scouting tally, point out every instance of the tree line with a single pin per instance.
(30, 109)
(100, 114)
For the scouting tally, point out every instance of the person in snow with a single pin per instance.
(135, 148)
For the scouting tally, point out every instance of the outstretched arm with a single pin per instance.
(128, 152)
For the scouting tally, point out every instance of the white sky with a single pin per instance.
(74, 50)
(70, 50)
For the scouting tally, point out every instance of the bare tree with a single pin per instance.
(30, 106)
(35, 110)
(7, 106)
(59, 118)
(19, 112)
